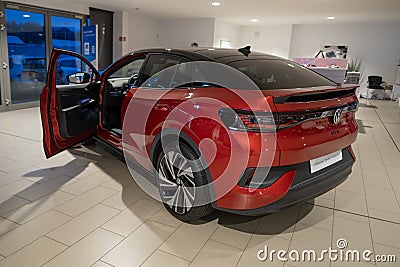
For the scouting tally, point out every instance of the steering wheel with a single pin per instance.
(132, 80)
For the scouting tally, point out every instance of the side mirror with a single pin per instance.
(78, 78)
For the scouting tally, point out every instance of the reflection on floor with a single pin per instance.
(81, 208)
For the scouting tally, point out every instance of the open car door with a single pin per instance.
(69, 103)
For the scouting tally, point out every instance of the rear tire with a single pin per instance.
(178, 183)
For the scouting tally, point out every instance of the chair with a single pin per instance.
(374, 82)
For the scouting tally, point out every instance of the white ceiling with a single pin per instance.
(266, 11)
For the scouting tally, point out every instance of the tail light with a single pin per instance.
(248, 121)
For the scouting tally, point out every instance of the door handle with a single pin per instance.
(5, 65)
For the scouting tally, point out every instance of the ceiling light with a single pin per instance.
(254, 20)
(26, 16)
(215, 3)
(330, 18)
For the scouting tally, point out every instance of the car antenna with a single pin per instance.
(245, 50)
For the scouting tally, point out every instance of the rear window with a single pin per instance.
(279, 74)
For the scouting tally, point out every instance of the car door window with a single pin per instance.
(124, 76)
(157, 73)
(128, 70)
(69, 65)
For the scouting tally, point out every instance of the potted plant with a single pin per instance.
(354, 65)
(354, 71)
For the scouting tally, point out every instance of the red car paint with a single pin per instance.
(300, 143)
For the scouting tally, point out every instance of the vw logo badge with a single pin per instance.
(337, 116)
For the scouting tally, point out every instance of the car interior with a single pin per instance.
(78, 96)
(117, 85)
(126, 77)
(79, 108)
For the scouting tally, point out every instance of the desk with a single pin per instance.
(396, 91)
(335, 74)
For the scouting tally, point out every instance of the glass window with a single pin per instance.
(28, 48)
(67, 65)
(128, 70)
(152, 77)
(26, 40)
(66, 33)
(125, 77)
(280, 74)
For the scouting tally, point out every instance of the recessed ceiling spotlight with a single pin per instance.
(215, 3)
(330, 18)
(26, 16)
(254, 20)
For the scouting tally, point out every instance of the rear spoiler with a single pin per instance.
(316, 96)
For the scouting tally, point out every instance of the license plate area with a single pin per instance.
(325, 161)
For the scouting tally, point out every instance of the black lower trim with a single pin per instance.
(137, 170)
(265, 177)
(307, 186)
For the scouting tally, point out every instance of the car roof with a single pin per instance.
(221, 55)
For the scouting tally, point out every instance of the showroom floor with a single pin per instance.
(81, 208)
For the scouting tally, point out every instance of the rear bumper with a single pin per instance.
(303, 186)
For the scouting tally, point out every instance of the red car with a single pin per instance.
(246, 133)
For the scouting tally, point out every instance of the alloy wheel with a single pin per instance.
(177, 182)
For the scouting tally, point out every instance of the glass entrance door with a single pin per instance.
(26, 41)
(3, 37)
(28, 35)
(66, 33)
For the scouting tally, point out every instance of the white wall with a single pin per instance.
(120, 29)
(141, 32)
(149, 32)
(271, 39)
(377, 44)
(59, 5)
(225, 31)
(183, 32)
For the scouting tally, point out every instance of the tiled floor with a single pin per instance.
(81, 208)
